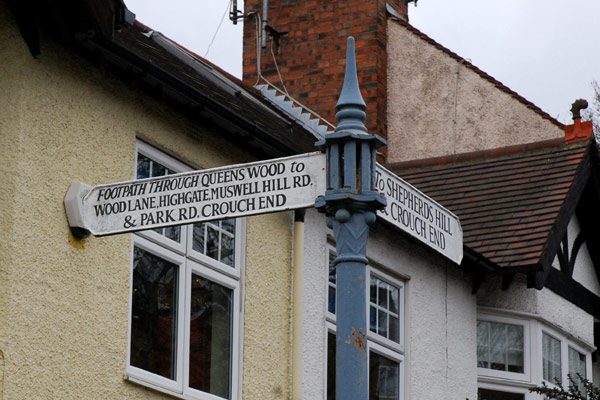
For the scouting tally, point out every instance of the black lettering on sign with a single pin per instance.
(297, 167)
(437, 238)
(273, 201)
(301, 181)
(110, 208)
(266, 170)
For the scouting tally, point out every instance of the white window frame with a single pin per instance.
(232, 271)
(525, 376)
(379, 344)
(536, 326)
(141, 374)
(372, 336)
(174, 165)
(189, 261)
(565, 343)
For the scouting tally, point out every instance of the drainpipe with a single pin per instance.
(297, 304)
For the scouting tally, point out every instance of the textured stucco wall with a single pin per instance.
(543, 303)
(440, 321)
(266, 330)
(314, 298)
(63, 302)
(422, 89)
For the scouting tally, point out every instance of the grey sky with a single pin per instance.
(546, 50)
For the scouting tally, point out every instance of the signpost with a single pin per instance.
(418, 215)
(197, 196)
(351, 199)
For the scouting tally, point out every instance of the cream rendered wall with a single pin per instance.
(64, 302)
(425, 83)
(440, 315)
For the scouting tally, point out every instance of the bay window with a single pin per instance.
(185, 301)
(516, 351)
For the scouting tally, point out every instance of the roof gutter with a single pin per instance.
(471, 257)
(207, 72)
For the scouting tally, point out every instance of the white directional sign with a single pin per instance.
(250, 189)
(419, 216)
(217, 193)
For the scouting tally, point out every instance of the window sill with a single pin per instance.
(522, 383)
(177, 395)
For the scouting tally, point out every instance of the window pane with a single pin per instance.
(331, 268)
(483, 331)
(486, 394)
(382, 324)
(143, 167)
(394, 299)
(383, 295)
(148, 168)
(216, 240)
(154, 314)
(210, 336)
(159, 170)
(393, 333)
(331, 366)
(198, 240)
(383, 309)
(331, 284)
(551, 358)
(331, 302)
(229, 225)
(227, 249)
(577, 367)
(373, 291)
(500, 346)
(172, 232)
(212, 242)
(384, 383)
(373, 319)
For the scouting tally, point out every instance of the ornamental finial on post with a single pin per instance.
(351, 152)
(350, 203)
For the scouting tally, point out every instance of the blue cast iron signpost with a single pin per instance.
(351, 202)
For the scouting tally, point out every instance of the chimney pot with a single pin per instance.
(579, 130)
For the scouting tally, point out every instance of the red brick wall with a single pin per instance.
(311, 57)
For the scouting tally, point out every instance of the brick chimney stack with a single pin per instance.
(308, 39)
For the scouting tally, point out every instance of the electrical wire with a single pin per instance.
(218, 27)
(277, 68)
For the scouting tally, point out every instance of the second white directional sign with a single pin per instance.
(419, 215)
(225, 192)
